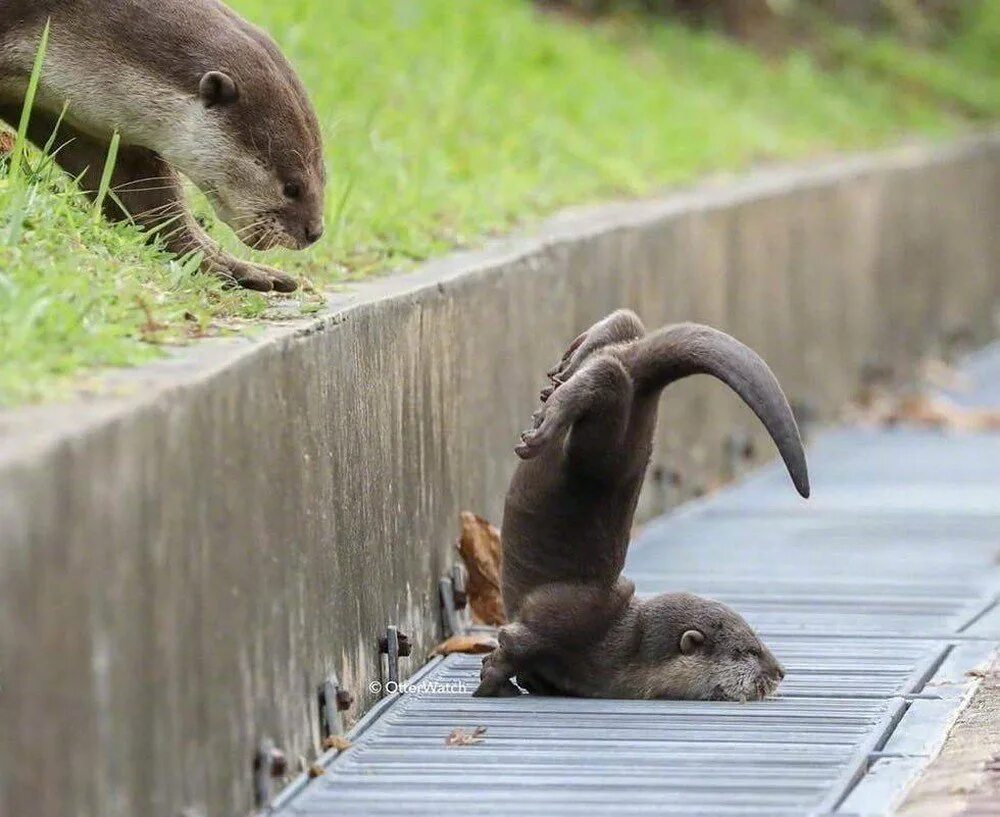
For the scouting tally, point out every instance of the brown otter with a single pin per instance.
(191, 88)
(576, 626)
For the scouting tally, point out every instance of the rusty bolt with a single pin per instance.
(279, 763)
(459, 593)
(405, 647)
(345, 700)
(272, 759)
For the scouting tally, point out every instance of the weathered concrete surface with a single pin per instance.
(181, 565)
(965, 776)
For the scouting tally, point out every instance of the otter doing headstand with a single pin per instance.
(576, 626)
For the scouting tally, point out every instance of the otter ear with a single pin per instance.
(217, 88)
(691, 640)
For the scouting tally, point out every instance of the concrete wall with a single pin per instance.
(182, 563)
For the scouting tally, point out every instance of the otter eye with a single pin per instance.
(292, 190)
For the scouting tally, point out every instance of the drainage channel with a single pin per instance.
(879, 596)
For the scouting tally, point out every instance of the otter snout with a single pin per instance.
(769, 675)
(313, 232)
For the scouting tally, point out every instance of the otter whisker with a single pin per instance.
(143, 180)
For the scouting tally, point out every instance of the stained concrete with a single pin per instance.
(965, 776)
(181, 564)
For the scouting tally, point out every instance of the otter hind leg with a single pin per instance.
(620, 326)
(593, 406)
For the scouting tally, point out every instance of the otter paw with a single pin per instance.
(532, 443)
(496, 685)
(560, 367)
(545, 427)
(258, 277)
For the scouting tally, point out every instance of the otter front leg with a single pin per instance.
(152, 196)
(494, 678)
(517, 646)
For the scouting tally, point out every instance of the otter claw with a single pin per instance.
(283, 283)
(530, 445)
(257, 283)
(256, 277)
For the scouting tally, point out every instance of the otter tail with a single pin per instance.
(678, 351)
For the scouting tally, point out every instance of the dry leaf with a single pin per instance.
(472, 644)
(459, 737)
(316, 771)
(479, 547)
(338, 742)
(6, 142)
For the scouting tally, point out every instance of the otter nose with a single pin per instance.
(314, 232)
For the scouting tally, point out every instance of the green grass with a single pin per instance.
(448, 121)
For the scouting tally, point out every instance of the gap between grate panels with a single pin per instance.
(878, 596)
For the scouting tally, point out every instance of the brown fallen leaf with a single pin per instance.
(316, 771)
(472, 644)
(338, 742)
(479, 547)
(459, 737)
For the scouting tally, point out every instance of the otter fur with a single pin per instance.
(576, 626)
(192, 89)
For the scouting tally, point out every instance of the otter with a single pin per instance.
(576, 627)
(192, 89)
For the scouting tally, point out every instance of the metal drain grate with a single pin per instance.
(574, 757)
(877, 596)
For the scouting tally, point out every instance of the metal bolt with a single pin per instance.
(269, 763)
(333, 699)
(278, 763)
(405, 647)
(345, 700)
(394, 645)
(459, 592)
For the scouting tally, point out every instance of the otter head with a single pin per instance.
(251, 142)
(699, 649)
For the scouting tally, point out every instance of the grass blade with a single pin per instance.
(20, 144)
(109, 169)
(55, 131)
